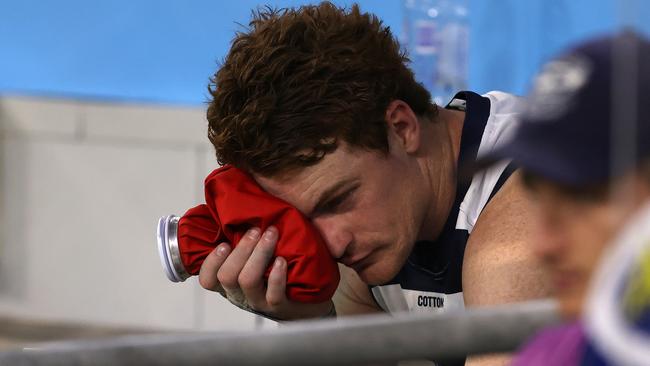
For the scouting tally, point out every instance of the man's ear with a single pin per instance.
(403, 125)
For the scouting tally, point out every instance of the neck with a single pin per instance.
(454, 120)
(441, 169)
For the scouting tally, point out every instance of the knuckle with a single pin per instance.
(207, 282)
(246, 280)
(274, 302)
(227, 280)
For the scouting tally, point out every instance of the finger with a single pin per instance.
(210, 267)
(251, 278)
(277, 284)
(228, 275)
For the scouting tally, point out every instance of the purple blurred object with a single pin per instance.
(557, 345)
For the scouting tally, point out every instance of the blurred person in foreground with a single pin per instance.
(584, 148)
(318, 105)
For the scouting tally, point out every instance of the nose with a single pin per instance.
(550, 237)
(336, 236)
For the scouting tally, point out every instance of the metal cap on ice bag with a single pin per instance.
(170, 255)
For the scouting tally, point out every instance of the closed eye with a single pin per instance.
(335, 203)
(338, 203)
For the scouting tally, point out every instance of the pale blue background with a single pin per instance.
(165, 50)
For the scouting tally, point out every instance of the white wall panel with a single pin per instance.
(146, 123)
(30, 115)
(78, 215)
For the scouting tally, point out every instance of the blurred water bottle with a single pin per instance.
(436, 36)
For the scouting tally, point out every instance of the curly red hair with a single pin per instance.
(299, 81)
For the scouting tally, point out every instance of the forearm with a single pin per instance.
(353, 296)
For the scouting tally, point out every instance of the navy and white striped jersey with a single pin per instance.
(431, 278)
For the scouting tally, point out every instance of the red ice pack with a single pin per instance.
(234, 204)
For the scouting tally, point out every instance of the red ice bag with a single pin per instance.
(235, 203)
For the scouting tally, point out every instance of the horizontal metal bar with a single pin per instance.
(345, 341)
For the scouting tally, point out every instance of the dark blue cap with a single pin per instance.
(587, 117)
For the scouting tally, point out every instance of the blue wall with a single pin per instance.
(165, 50)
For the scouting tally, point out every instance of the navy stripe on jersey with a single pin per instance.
(507, 172)
(437, 266)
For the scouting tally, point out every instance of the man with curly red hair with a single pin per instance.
(318, 104)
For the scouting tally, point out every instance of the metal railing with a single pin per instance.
(345, 341)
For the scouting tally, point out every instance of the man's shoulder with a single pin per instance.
(499, 266)
(505, 220)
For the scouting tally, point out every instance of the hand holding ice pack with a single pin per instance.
(234, 204)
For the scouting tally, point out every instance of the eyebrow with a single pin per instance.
(329, 193)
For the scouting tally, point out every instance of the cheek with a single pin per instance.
(592, 233)
(379, 208)
(389, 223)
(384, 217)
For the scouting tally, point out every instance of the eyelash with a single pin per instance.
(336, 203)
